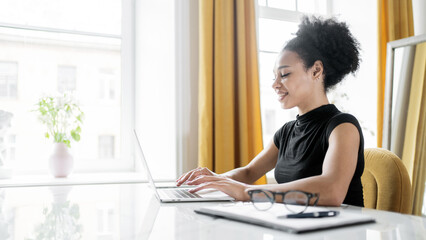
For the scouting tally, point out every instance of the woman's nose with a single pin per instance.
(276, 84)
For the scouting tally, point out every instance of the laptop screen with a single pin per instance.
(145, 164)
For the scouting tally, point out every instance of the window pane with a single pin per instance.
(64, 14)
(40, 63)
(273, 34)
(283, 4)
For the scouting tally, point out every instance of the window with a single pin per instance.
(305, 6)
(8, 79)
(11, 148)
(61, 46)
(66, 78)
(7, 148)
(106, 147)
(2, 150)
(107, 84)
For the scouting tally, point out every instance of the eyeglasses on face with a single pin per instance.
(295, 201)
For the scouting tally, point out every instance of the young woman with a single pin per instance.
(322, 151)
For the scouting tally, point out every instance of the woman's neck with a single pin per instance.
(312, 104)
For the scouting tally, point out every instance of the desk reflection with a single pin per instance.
(61, 219)
(77, 212)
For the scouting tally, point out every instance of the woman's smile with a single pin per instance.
(281, 95)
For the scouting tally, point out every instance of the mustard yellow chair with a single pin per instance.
(386, 182)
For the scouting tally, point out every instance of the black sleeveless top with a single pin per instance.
(303, 143)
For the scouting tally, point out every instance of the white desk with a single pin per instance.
(130, 211)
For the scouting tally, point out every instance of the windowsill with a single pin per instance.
(73, 179)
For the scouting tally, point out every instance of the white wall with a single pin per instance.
(155, 84)
(187, 84)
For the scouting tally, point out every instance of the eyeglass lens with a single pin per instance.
(296, 201)
(262, 200)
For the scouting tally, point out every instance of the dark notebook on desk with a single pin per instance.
(245, 212)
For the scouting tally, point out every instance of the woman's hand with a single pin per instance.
(191, 175)
(227, 185)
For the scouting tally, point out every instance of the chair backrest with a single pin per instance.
(385, 182)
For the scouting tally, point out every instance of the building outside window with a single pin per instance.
(106, 147)
(107, 84)
(8, 80)
(9, 151)
(66, 78)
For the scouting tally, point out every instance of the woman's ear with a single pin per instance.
(317, 69)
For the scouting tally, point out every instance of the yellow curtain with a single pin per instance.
(414, 153)
(395, 22)
(230, 130)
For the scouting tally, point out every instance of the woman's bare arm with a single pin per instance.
(259, 166)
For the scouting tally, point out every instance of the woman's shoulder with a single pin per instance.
(341, 118)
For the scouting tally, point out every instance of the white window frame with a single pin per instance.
(280, 15)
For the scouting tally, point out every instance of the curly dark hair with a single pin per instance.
(329, 41)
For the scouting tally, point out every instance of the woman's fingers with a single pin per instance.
(218, 185)
(191, 175)
(232, 188)
(204, 178)
(184, 177)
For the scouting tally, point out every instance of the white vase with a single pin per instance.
(61, 161)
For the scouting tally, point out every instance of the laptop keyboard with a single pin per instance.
(180, 193)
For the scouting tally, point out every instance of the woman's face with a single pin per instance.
(292, 83)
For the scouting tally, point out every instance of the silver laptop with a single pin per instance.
(179, 194)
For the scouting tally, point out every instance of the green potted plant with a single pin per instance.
(63, 119)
